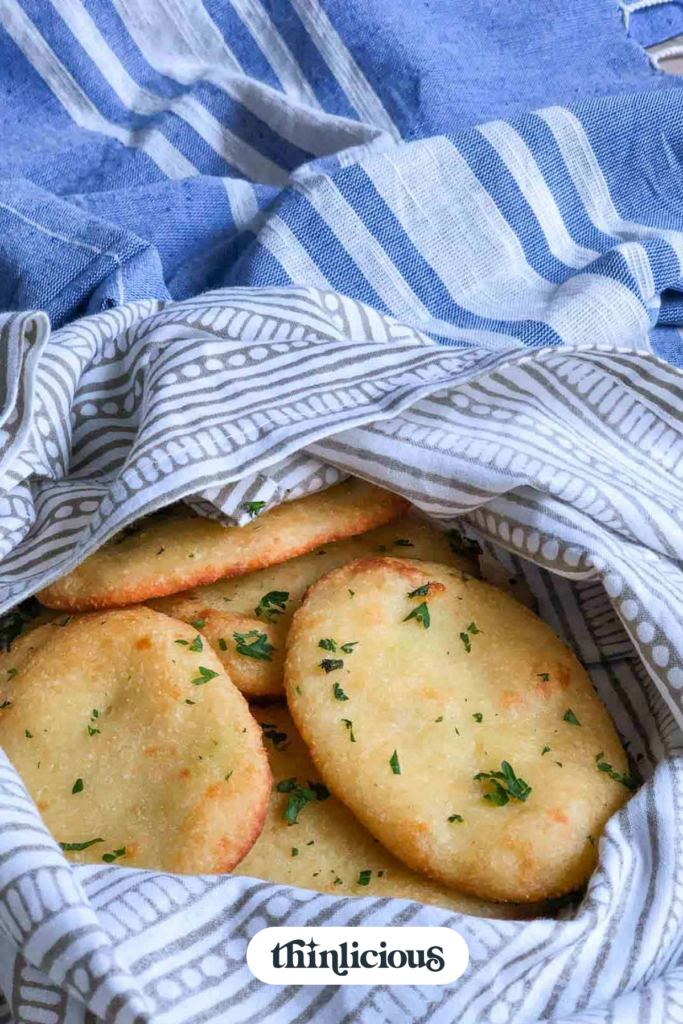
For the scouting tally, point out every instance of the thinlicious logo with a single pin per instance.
(312, 956)
(357, 956)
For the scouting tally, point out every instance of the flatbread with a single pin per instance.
(228, 607)
(332, 847)
(172, 772)
(166, 554)
(485, 686)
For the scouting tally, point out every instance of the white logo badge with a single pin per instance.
(357, 956)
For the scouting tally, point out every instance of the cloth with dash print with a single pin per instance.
(251, 247)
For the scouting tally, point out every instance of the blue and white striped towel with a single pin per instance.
(247, 247)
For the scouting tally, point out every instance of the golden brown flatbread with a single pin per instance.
(259, 606)
(165, 554)
(134, 743)
(483, 757)
(327, 849)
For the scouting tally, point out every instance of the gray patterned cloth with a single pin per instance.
(566, 462)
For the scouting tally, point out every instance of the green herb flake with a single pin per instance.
(295, 851)
(457, 818)
(227, 777)
(544, 676)
(349, 725)
(338, 881)
(109, 858)
(276, 738)
(420, 591)
(299, 796)
(5, 704)
(79, 847)
(352, 593)
(478, 717)
(624, 779)
(394, 763)
(254, 508)
(328, 645)
(28, 735)
(570, 717)
(11, 672)
(364, 877)
(196, 646)
(420, 614)
(505, 784)
(338, 692)
(347, 648)
(271, 605)
(205, 675)
(298, 690)
(311, 842)
(222, 644)
(78, 787)
(188, 701)
(546, 750)
(182, 643)
(591, 840)
(331, 664)
(259, 647)
(466, 641)
(198, 623)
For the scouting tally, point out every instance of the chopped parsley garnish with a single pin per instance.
(295, 851)
(109, 858)
(420, 614)
(546, 750)
(328, 645)
(254, 508)
(624, 779)
(591, 840)
(478, 717)
(205, 674)
(259, 647)
(331, 664)
(505, 785)
(311, 842)
(364, 877)
(401, 543)
(338, 692)
(198, 623)
(11, 672)
(348, 647)
(466, 641)
(227, 777)
(79, 847)
(222, 644)
(394, 763)
(349, 725)
(570, 717)
(544, 676)
(439, 719)
(271, 605)
(331, 645)
(270, 733)
(188, 701)
(455, 818)
(352, 593)
(197, 646)
(28, 735)
(78, 787)
(299, 796)
(182, 643)
(420, 591)
(5, 704)
(338, 881)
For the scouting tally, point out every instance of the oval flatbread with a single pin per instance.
(482, 752)
(318, 844)
(134, 743)
(165, 554)
(246, 619)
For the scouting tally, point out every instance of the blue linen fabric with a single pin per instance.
(157, 150)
